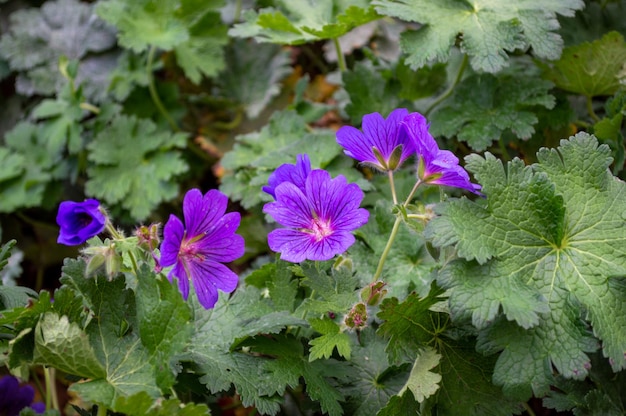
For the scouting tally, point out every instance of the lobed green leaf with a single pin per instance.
(487, 29)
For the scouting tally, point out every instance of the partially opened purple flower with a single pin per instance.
(295, 174)
(14, 398)
(198, 248)
(435, 166)
(79, 221)
(318, 219)
(382, 144)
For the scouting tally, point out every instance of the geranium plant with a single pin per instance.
(311, 207)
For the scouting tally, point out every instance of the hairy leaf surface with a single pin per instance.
(542, 263)
(487, 29)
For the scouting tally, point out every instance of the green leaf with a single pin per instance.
(256, 155)
(141, 404)
(145, 23)
(484, 106)
(131, 71)
(401, 405)
(164, 324)
(202, 54)
(542, 250)
(408, 266)
(289, 365)
(590, 69)
(335, 289)
(253, 74)
(370, 90)
(59, 28)
(422, 382)
(278, 279)
(487, 29)
(114, 337)
(295, 22)
(404, 324)
(11, 164)
(421, 83)
(63, 345)
(26, 143)
(232, 320)
(604, 395)
(62, 128)
(466, 385)
(134, 165)
(373, 381)
(332, 337)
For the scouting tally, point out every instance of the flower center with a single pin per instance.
(83, 219)
(320, 229)
(189, 251)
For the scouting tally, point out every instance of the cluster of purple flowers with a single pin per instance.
(317, 213)
(386, 143)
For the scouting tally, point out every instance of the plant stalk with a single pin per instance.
(450, 89)
(153, 92)
(341, 60)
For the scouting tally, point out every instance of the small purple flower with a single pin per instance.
(198, 251)
(14, 398)
(295, 174)
(435, 166)
(383, 144)
(319, 219)
(79, 221)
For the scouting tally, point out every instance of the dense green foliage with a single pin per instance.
(511, 303)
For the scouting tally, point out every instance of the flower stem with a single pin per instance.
(119, 236)
(52, 401)
(450, 89)
(394, 232)
(102, 410)
(410, 197)
(528, 409)
(341, 60)
(153, 92)
(383, 257)
(237, 15)
(393, 187)
(592, 113)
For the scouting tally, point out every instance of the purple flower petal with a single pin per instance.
(198, 251)
(435, 166)
(14, 398)
(215, 276)
(182, 273)
(173, 234)
(295, 174)
(79, 221)
(293, 210)
(379, 135)
(318, 221)
(200, 212)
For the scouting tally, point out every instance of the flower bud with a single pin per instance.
(373, 293)
(148, 236)
(357, 317)
(102, 255)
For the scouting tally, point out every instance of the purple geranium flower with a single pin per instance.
(79, 221)
(383, 144)
(319, 219)
(435, 166)
(198, 251)
(295, 174)
(14, 398)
